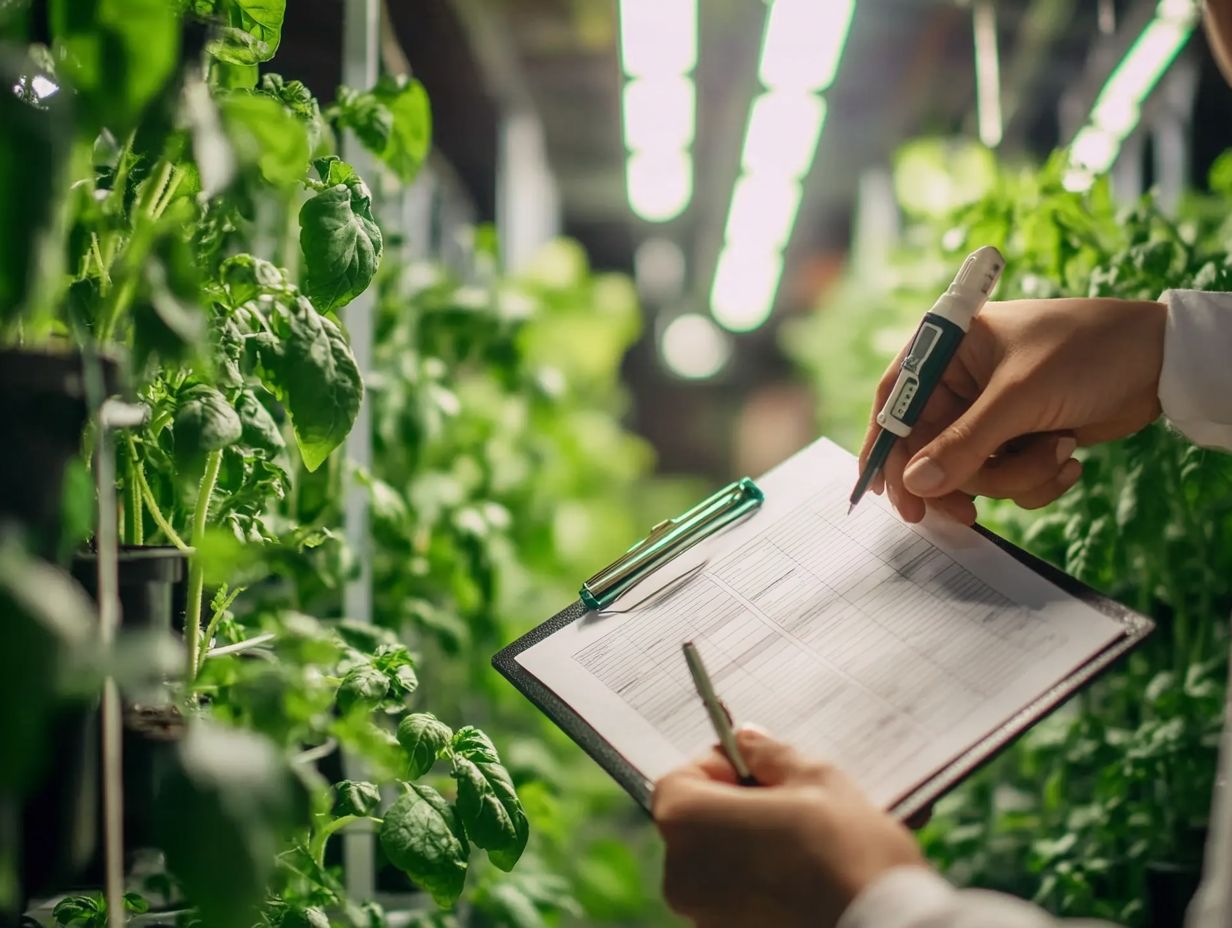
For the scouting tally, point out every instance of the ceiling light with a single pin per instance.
(804, 42)
(1094, 149)
(694, 347)
(782, 134)
(763, 212)
(660, 184)
(745, 283)
(659, 114)
(658, 38)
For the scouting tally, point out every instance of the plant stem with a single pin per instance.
(134, 518)
(196, 575)
(316, 846)
(156, 514)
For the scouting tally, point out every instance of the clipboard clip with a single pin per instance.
(668, 540)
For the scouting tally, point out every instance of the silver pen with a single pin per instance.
(720, 718)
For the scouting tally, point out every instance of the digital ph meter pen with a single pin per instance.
(935, 342)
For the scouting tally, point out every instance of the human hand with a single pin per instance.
(1032, 380)
(794, 851)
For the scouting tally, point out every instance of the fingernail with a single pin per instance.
(923, 475)
(1065, 447)
(878, 485)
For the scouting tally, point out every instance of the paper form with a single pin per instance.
(885, 648)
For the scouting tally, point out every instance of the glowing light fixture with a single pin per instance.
(660, 183)
(658, 38)
(658, 52)
(763, 211)
(659, 113)
(1118, 107)
(745, 283)
(803, 43)
(802, 46)
(782, 135)
(694, 347)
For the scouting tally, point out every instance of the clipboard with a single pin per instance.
(1135, 625)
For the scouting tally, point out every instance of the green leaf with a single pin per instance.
(204, 422)
(395, 662)
(411, 136)
(366, 116)
(81, 912)
(355, 798)
(136, 903)
(363, 687)
(262, 18)
(260, 431)
(235, 46)
(116, 54)
(423, 736)
(341, 244)
(309, 917)
(487, 802)
(266, 135)
(422, 836)
(310, 368)
(225, 809)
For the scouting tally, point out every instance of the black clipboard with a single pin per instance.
(1136, 625)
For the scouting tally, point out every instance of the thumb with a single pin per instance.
(771, 762)
(956, 455)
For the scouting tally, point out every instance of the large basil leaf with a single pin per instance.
(421, 835)
(309, 366)
(353, 797)
(366, 116)
(265, 134)
(204, 422)
(423, 736)
(263, 19)
(117, 54)
(224, 811)
(341, 243)
(235, 46)
(411, 135)
(365, 687)
(487, 803)
(260, 431)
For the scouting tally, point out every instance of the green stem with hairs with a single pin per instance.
(196, 574)
(151, 504)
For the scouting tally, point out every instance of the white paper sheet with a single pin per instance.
(886, 648)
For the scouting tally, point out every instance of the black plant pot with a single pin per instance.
(43, 411)
(1171, 884)
(62, 828)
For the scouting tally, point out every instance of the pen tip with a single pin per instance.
(851, 508)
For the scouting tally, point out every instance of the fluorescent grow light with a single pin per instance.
(763, 211)
(803, 43)
(1118, 108)
(659, 114)
(658, 38)
(660, 184)
(745, 283)
(782, 133)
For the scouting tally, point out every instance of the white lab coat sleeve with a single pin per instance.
(1195, 382)
(917, 897)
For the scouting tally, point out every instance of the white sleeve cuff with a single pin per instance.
(1195, 381)
(905, 897)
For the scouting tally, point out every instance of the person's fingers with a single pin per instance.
(1022, 465)
(1051, 489)
(951, 459)
(775, 763)
(958, 506)
(909, 506)
(714, 765)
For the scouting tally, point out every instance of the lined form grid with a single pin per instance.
(853, 637)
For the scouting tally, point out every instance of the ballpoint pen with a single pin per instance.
(719, 716)
(938, 337)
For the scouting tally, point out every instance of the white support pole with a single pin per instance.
(360, 67)
(527, 202)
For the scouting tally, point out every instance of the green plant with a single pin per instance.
(1086, 807)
